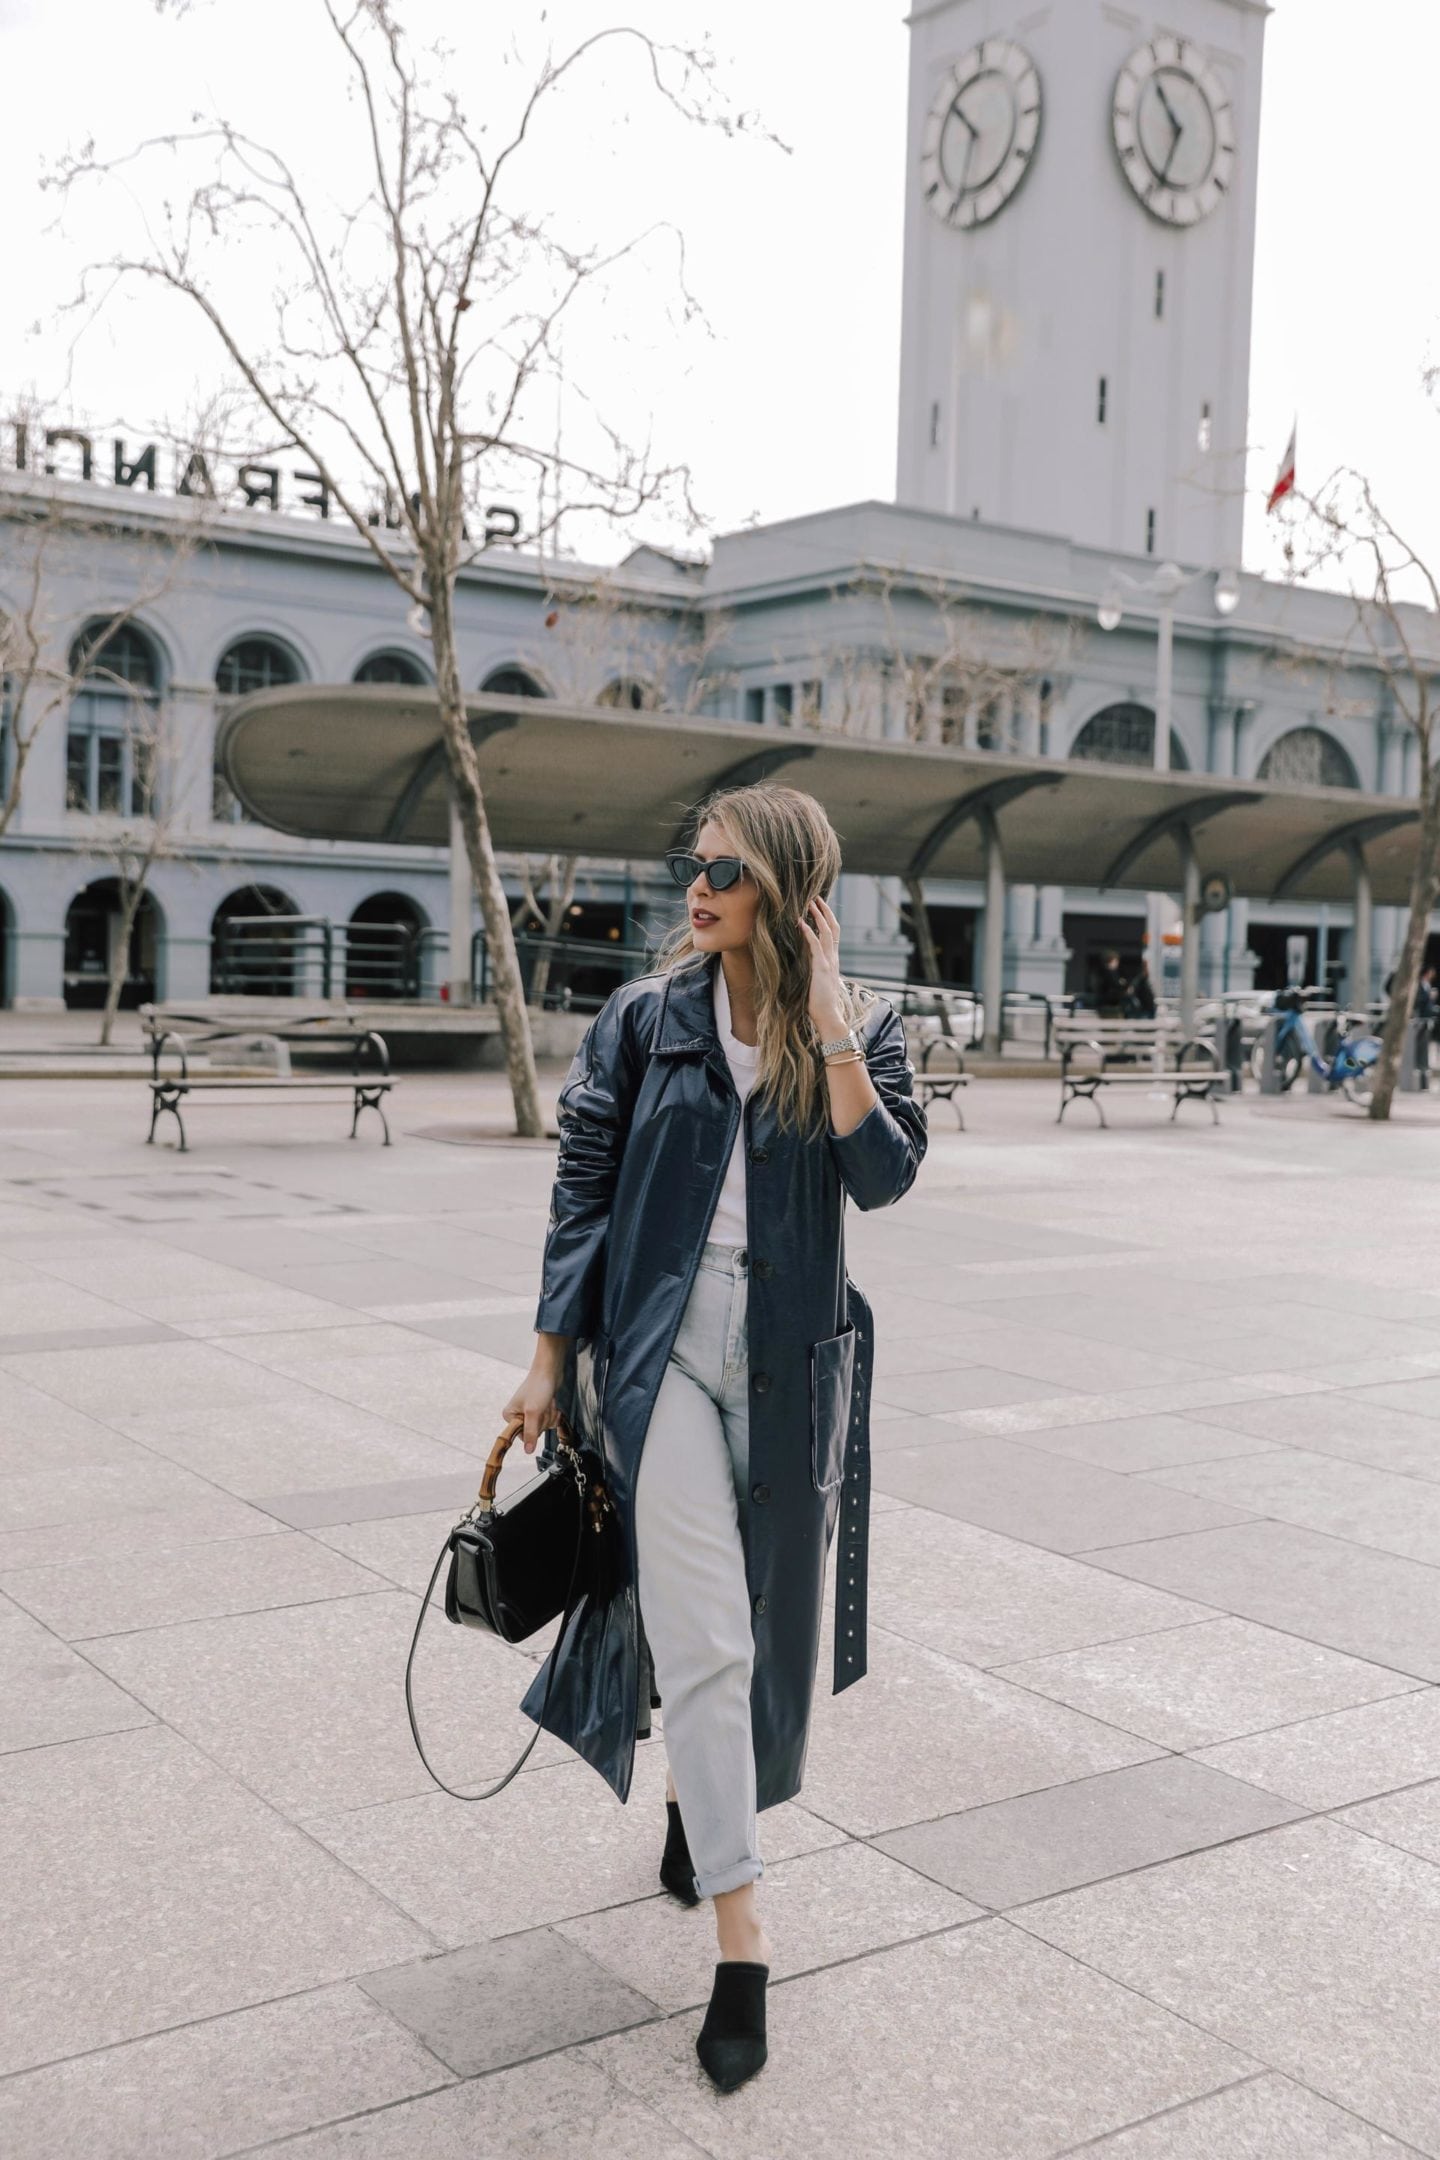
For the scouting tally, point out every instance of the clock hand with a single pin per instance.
(1169, 108)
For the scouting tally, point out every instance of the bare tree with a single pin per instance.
(1395, 596)
(410, 330)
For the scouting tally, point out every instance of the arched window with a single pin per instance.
(512, 682)
(254, 663)
(1307, 757)
(1125, 735)
(627, 695)
(110, 742)
(391, 667)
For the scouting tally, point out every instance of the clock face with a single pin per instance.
(981, 133)
(1174, 130)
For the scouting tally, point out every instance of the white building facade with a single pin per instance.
(1079, 234)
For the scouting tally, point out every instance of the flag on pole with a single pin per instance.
(1285, 478)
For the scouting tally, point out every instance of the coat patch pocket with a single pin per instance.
(832, 1369)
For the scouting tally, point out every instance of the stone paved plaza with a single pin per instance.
(1129, 1844)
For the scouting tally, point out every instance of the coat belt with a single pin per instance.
(852, 1545)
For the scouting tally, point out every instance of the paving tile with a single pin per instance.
(1323, 1762)
(555, 1844)
(305, 1703)
(49, 1693)
(304, 1441)
(1311, 1947)
(1040, 1498)
(991, 2050)
(1409, 1819)
(987, 1600)
(224, 2083)
(144, 1380)
(84, 1541)
(819, 1907)
(1320, 1492)
(1145, 1443)
(555, 2109)
(972, 1387)
(476, 2008)
(1048, 1841)
(37, 1433)
(1174, 1395)
(322, 1510)
(1337, 1424)
(125, 1860)
(1266, 2118)
(1422, 1397)
(159, 1589)
(84, 1338)
(962, 1736)
(1192, 1686)
(1374, 1605)
(140, 1485)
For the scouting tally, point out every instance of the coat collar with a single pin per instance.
(687, 1019)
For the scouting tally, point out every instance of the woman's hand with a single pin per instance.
(534, 1400)
(821, 932)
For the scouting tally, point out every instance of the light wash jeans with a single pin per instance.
(691, 1503)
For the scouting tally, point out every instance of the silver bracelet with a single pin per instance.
(849, 1041)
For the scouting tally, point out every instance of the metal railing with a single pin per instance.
(578, 973)
(308, 956)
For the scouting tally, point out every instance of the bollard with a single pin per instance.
(1327, 1038)
(1230, 1049)
(1270, 1066)
(1415, 1058)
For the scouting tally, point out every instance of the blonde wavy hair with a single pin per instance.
(791, 850)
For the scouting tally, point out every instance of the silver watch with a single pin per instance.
(848, 1041)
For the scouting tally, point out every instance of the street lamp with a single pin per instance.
(1162, 589)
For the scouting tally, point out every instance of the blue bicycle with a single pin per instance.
(1350, 1070)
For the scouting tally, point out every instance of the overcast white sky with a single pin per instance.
(788, 403)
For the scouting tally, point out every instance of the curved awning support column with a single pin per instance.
(428, 767)
(1181, 821)
(992, 971)
(1362, 936)
(992, 798)
(750, 770)
(1190, 927)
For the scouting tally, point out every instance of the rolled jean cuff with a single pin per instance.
(730, 1878)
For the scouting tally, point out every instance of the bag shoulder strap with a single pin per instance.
(572, 1597)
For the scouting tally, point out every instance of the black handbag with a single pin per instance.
(513, 1569)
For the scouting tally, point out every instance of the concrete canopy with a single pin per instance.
(365, 762)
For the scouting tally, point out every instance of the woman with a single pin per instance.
(697, 1326)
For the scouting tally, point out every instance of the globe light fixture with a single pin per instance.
(1227, 592)
(1109, 612)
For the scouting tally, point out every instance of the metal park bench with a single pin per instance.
(942, 1084)
(1097, 1052)
(174, 1035)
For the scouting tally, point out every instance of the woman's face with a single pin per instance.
(721, 921)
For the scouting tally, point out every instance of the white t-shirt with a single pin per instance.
(729, 1226)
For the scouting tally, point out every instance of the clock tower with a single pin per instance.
(1079, 254)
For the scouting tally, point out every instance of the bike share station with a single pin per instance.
(367, 763)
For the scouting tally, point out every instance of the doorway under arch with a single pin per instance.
(513, 681)
(382, 947)
(247, 959)
(92, 928)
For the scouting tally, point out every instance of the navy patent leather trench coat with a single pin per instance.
(647, 1113)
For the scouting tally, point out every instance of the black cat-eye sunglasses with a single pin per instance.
(722, 871)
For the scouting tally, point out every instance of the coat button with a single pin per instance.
(764, 1269)
(760, 1492)
(760, 1382)
(761, 1602)
(759, 1154)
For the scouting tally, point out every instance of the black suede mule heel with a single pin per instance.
(677, 1871)
(731, 2042)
